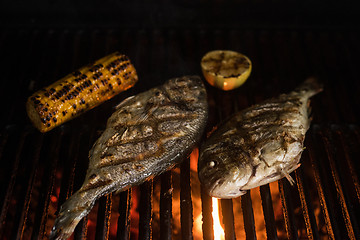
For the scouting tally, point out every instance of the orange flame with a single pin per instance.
(218, 230)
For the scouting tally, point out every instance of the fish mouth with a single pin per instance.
(228, 184)
(223, 188)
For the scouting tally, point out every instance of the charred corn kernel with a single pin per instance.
(225, 69)
(80, 91)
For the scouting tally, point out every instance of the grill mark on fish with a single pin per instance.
(105, 155)
(258, 114)
(96, 184)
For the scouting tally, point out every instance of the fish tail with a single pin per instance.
(71, 212)
(310, 86)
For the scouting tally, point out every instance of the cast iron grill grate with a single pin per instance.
(40, 171)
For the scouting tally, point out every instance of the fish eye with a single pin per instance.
(211, 164)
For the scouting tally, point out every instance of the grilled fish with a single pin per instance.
(148, 134)
(258, 145)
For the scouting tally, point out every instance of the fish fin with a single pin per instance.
(71, 212)
(124, 102)
(288, 177)
(311, 86)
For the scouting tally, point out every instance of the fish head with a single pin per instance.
(223, 176)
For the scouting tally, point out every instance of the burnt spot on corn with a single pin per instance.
(127, 75)
(76, 73)
(96, 76)
(103, 93)
(96, 68)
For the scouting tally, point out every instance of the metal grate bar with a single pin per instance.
(228, 218)
(166, 205)
(123, 226)
(268, 212)
(145, 210)
(6, 205)
(207, 226)
(81, 230)
(323, 187)
(23, 228)
(288, 207)
(49, 177)
(341, 192)
(103, 217)
(22, 179)
(248, 215)
(351, 151)
(306, 205)
(186, 207)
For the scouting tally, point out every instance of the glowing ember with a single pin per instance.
(218, 230)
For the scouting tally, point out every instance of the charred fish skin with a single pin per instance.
(148, 134)
(257, 145)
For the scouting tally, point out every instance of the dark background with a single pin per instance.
(194, 14)
(288, 41)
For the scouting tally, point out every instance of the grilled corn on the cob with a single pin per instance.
(80, 91)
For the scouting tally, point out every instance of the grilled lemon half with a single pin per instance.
(225, 69)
